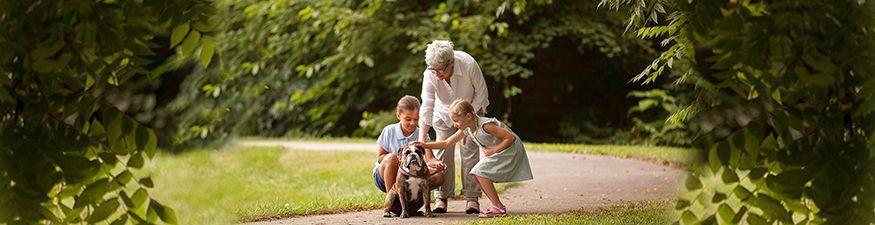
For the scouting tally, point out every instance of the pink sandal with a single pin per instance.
(493, 211)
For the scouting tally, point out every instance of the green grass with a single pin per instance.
(659, 154)
(645, 213)
(223, 187)
(252, 183)
(672, 156)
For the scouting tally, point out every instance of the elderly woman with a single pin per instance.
(451, 75)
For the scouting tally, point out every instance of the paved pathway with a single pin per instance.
(563, 182)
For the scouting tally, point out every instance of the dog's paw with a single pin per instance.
(388, 214)
(405, 215)
(429, 214)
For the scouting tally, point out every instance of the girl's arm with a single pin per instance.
(499, 132)
(442, 144)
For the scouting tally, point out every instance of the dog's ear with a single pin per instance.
(420, 150)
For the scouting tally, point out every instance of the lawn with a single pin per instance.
(645, 213)
(659, 154)
(248, 183)
(240, 184)
(253, 183)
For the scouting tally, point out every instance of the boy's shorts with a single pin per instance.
(379, 180)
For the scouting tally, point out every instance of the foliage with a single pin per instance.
(315, 67)
(783, 96)
(372, 124)
(67, 154)
(650, 126)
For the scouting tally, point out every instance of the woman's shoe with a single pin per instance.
(440, 206)
(473, 207)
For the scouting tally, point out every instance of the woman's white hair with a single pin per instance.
(439, 53)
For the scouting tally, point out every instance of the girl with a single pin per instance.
(505, 157)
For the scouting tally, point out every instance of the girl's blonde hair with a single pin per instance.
(407, 103)
(461, 107)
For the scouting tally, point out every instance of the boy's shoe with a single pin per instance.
(473, 207)
(440, 206)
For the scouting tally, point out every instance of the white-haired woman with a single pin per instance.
(452, 75)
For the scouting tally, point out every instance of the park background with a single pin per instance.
(109, 106)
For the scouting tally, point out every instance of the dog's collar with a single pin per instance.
(406, 173)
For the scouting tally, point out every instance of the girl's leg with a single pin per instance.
(389, 170)
(489, 189)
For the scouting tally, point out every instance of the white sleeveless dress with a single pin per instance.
(510, 165)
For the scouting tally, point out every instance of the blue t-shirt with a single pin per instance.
(392, 138)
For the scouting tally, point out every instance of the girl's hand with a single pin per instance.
(436, 164)
(418, 144)
(488, 152)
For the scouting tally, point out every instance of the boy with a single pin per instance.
(396, 136)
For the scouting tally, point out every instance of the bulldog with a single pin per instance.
(411, 190)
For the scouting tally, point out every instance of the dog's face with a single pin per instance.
(412, 159)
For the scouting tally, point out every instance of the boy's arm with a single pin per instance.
(499, 132)
(381, 153)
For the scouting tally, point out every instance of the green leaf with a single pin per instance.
(719, 156)
(103, 211)
(46, 51)
(772, 208)
(152, 144)
(207, 50)
(142, 138)
(718, 197)
(94, 192)
(693, 183)
(69, 191)
(123, 178)
(147, 181)
(741, 192)
(788, 184)
(136, 160)
(178, 33)
(738, 216)
(139, 198)
(796, 206)
(754, 219)
(165, 213)
(126, 199)
(757, 173)
(725, 213)
(190, 43)
(122, 220)
(681, 204)
(47, 66)
(729, 176)
(688, 217)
